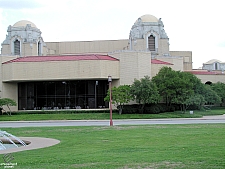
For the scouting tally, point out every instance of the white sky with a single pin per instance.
(191, 25)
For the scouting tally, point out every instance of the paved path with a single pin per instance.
(205, 120)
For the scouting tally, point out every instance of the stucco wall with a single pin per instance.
(78, 47)
(4, 59)
(187, 58)
(10, 90)
(163, 46)
(138, 45)
(27, 49)
(212, 78)
(59, 70)
(133, 65)
(5, 50)
(176, 61)
(156, 67)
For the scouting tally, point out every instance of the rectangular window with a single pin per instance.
(39, 49)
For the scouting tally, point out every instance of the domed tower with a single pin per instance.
(23, 39)
(148, 34)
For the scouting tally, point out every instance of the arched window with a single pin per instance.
(16, 47)
(39, 48)
(208, 83)
(151, 43)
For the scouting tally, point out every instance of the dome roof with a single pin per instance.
(147, 18)
(213, 61)
(24, 24)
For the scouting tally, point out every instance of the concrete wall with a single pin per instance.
(187, 58)
(212, 78)
(5, 50)
(10, 90)
(163, 47)
(156, 67)
(27, 49)
(59, 70)
(79, 47)
(133, 65)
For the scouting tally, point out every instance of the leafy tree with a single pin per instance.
(6, 102)
(145, 91)
(198, 86)
(184, 89)
(165, 81)
(210, 95)
(195, 99)
(174, 86)
(120, 96)
(219, 88)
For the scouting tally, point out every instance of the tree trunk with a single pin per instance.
(9, 110)
(184, 108)
(120, 111)
(142, 108)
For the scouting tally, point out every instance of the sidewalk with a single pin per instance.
(215, 117)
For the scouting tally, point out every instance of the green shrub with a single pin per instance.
(130, 109)
(153, 109)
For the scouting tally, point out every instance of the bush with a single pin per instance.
(163, 108)
(149, 109)
(130, 109)
(154, 109)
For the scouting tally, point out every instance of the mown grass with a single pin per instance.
(55, 115)
(150, 146)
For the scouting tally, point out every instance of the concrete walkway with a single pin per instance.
(37, 142)
(49, 123)
(218, 117)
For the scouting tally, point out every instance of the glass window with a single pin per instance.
(16, 47)
(151, 43)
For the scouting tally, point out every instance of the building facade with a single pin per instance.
(72, 75)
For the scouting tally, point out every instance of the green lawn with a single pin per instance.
(150, 146)
(55, 115)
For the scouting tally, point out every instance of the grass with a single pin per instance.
(102, 116)
(150, 146)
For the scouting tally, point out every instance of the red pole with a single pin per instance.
(110, 91)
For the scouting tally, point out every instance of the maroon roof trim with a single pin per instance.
(156, 61)
(62, 58)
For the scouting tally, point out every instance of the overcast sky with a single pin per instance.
(191, 25)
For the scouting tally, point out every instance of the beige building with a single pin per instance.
(55, 75)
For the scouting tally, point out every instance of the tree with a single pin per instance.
(195, 99)
(174, 86)
(219, 88)
(210, 95)
(145, 91)
(184, 89)
(7, 102)
(166, 84)
(120, 96)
